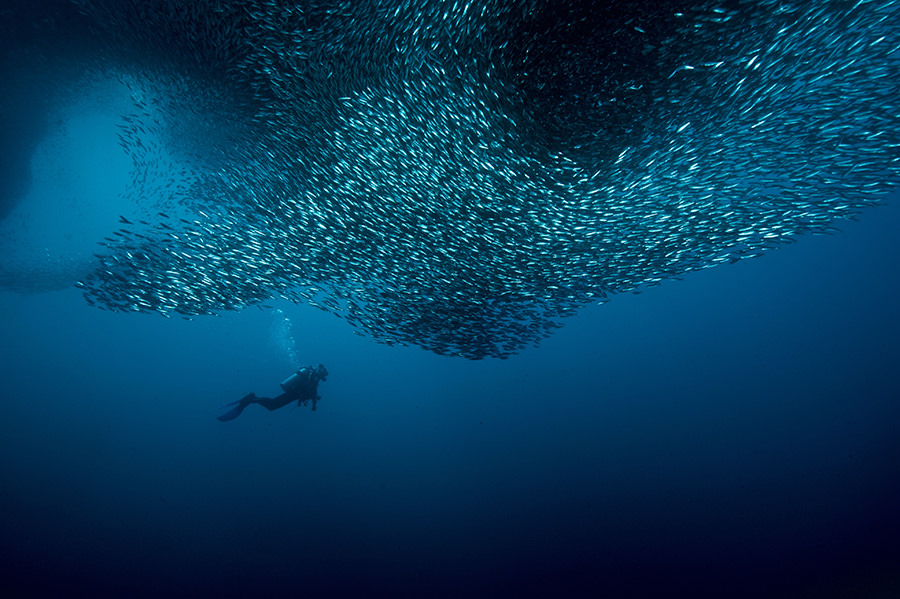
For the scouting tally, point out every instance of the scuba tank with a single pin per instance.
(291, 383)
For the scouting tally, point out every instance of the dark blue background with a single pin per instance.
(732, 434)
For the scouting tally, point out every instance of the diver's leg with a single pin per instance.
(273, 403)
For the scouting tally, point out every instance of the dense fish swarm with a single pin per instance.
(461, 175)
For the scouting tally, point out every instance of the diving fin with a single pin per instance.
(236, 411)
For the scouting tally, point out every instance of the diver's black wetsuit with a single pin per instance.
(301, 387)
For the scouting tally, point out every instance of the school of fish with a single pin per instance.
(462, 175)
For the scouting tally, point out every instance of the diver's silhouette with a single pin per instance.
(301, 386)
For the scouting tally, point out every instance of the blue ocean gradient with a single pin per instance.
(732, 434)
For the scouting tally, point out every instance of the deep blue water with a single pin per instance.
(731, 434)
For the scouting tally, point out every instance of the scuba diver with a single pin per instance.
(300, 386)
